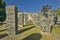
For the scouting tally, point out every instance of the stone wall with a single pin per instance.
(20, 19)
(45, 20)
(11, 18)
(58, 20)
(25, 18)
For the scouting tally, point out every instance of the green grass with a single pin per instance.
(56, 30)
(29, 32)
(32, 34)
(2, 30)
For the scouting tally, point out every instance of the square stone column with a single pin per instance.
(11, 18)
(20, 19)
(25, 18)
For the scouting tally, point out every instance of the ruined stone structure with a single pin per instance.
(35, 18)
(25, 18)
(58, 20)
(47, 19)
(44, 19)
(20, 19)
(11, 19)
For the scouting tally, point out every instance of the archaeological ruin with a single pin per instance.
(46, 19)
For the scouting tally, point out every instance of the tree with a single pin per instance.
(2, 11)
(57, 11)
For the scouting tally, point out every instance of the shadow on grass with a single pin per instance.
(51, 28)
(3, 30)
(34, 36)
(2, 23)
(3, 35)
(23, 30)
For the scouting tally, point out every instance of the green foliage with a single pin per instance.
(2, 16)
(2, 11)
(57, 11)
(0, 0)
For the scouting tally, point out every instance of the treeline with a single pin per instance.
(2, 11)
(57, 11)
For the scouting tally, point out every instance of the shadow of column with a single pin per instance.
(3, 35)
(23, 30)
(34, 36)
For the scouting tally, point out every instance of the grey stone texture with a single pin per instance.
(44, 19)
(25, 18)
(20, 19)
(58, 20)
(11, 18)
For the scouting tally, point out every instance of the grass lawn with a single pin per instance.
(34, 34)
(31, 32)
(2, 30)
(56, 30)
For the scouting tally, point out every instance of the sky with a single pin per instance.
(33, 5)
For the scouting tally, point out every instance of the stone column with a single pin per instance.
(58, 20)
(11, 17)
(20, 19)
(25, 18)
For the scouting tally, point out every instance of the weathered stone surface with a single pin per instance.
(45, 19)
(11, 17)
(58, 20)
(20, 19)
